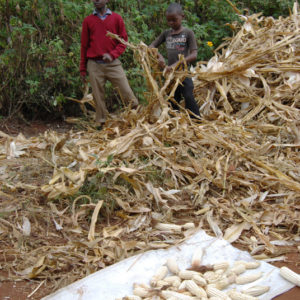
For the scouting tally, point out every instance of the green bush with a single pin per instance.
(40, 45)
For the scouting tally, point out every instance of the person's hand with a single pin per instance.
(169, 68)
(83, 78)
(161, 62)
(107, 58)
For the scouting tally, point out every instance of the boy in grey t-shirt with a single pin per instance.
(179, 40)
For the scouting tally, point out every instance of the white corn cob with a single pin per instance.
(213, 292)
(221, 266)
(182, 286)
(188, 226)
(243, 279)
(220, 272)
(211, 276)
(252, 265)
(172, 265)
(290, 275)
(132, 297)
(175, 295)
(256, 290)
(222, 283)
(235, 295)
(215, 280)
(143, 285)
(197, 257)
(231, 278)
(199, 280)
(160, 274)
(173, 280)
(140, 291)
(152, 298)
(212, 285)
(187, 274)
(168, 227)
(238, 269)
(248, 264)
(191, 286)
(160, 284)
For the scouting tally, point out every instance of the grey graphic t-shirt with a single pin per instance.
(181, 43)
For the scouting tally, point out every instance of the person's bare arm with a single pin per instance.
(161, 60)
(190, 58)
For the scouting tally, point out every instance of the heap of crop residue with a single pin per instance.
(235, 173)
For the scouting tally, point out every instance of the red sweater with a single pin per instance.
(95, 43)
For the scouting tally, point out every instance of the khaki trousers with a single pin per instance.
(98, 74)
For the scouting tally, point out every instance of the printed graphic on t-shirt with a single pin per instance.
(176, 42)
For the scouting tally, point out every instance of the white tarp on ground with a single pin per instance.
(117, 280)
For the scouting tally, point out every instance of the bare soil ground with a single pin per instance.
(36, 289)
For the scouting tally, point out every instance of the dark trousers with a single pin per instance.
(187, 91)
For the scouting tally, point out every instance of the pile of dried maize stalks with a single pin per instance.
(235, 173)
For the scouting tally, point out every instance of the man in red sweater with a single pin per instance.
(99, 56)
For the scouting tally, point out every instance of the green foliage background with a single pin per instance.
(40, 44)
